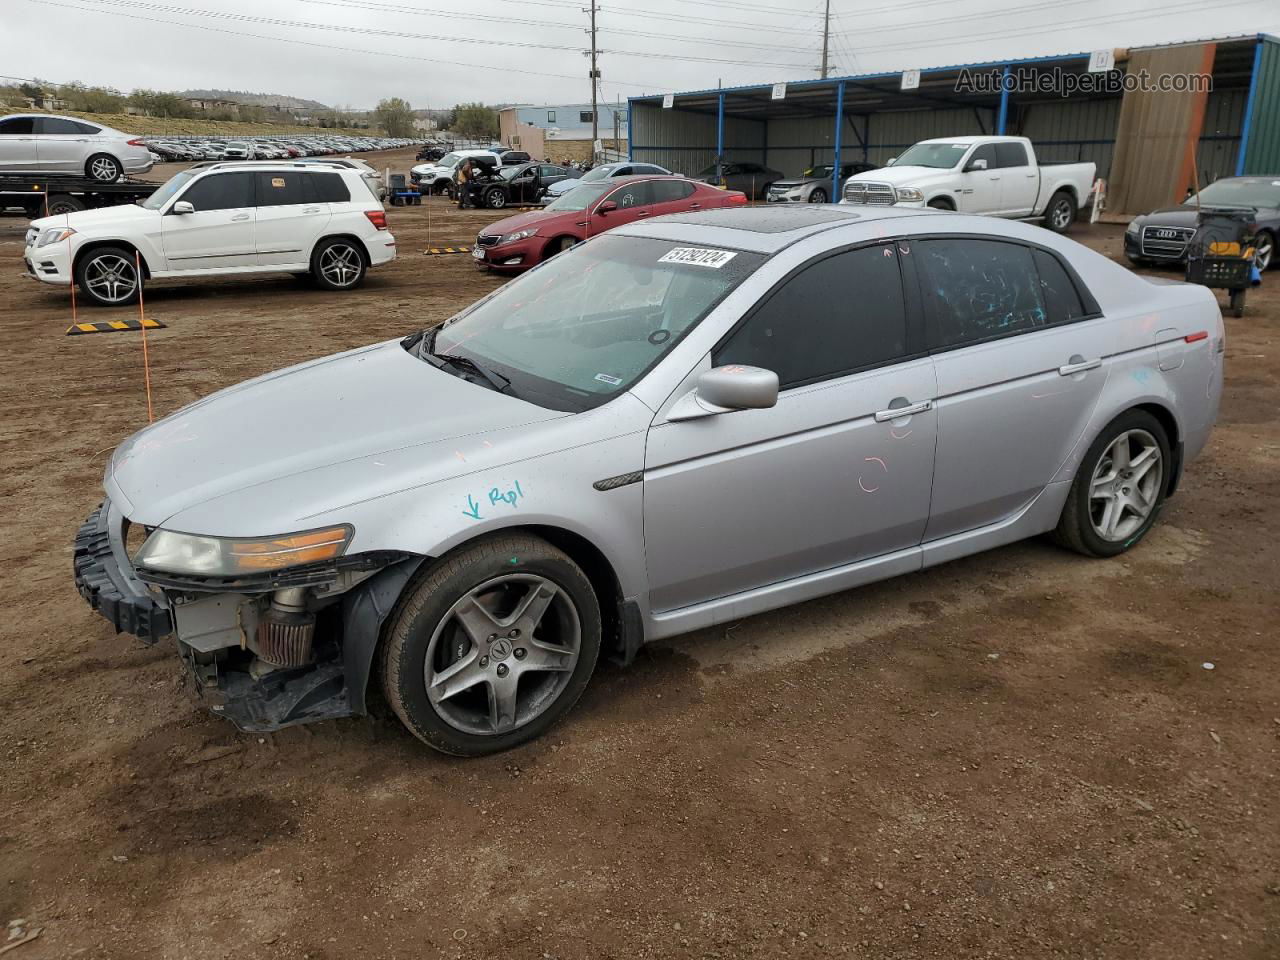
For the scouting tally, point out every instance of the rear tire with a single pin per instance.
(338, 264)
(108, 277)
(1237, 303)
(103, 168)
(1124, 472)
(1061, 212)
(495, 199)
(1264, 251)
(64, 203)
(466, 673)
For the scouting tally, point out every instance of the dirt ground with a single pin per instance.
(1020, 755)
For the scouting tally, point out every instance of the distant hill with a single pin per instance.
(258, 99)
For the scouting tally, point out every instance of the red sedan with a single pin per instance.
(525, 240)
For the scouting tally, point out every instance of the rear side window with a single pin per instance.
(221, 191)
(1011, 155)
(1061, 299)
(17, 126)
(669, 191)
(841, 314)
(278, 188)
(326, 188)
(979, 289)
(57, 126)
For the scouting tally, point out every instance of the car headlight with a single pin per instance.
(54, 235)
(190, 553)
(908, 193)
(518, 235)
(1132, 229)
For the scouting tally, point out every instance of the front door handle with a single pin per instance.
(311, 210)
(1078, 364)
(897, 413)
(642, 213)
(240, 216)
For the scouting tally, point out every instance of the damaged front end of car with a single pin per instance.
(275, 631)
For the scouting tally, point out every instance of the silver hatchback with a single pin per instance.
(41, 143)
(676, 424)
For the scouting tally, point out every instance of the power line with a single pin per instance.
(329, 46)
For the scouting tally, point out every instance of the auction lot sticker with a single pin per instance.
(698, 257)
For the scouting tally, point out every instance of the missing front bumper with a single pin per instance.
(108, 586)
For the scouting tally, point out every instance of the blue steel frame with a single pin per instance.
(835, 171)
(1248, 107)
(1004, 102)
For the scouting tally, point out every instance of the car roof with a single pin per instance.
(761, 229)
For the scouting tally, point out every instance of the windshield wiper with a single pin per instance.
(426, 351)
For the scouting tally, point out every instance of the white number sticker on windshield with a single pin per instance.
(698, 257)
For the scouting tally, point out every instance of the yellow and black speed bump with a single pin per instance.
(442, 251)
(111, 326)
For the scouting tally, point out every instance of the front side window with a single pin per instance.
(638, 194)
(221, 191)
(550, 171)
(588, 324)
(843, 313)
(985, 152)
(979, 289)
(582, 196)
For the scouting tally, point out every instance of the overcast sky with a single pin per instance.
(436, 53)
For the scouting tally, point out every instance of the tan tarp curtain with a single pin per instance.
(1158, 132)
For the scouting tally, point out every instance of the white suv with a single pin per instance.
(216, 219)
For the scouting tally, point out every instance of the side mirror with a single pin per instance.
(978, 164)
(182, 206)
(606, 207)
(728, 388)
(891, 161)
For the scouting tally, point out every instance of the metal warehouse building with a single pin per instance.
(1146, 143)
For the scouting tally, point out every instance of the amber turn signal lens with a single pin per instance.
(290, 551)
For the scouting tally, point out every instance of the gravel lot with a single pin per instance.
(1016, 755)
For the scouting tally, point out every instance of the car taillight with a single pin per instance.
(737, 199)
(136, 142)
(378, 218)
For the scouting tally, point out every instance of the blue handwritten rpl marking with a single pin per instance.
(497, 496)
(473, 509)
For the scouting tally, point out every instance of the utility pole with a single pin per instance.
(595, 76)
(826, 37)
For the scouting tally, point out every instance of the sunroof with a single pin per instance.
(775, 218)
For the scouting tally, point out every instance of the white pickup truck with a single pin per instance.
(998, 176)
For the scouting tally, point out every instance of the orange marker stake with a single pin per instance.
(70, 261)
(146, 360)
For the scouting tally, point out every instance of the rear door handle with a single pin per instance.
(642, 213)
(897, 413)
(695, 206)
(311, 210)
(1078, 364)
(240, 216)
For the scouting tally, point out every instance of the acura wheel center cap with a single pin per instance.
(500, 650)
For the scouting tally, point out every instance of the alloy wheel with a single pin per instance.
(1263, 251)
(340, 264)
(104, 169)
(111, 278)
(818, 196)
(503, 654)
(1125, 486)
(1062, 214)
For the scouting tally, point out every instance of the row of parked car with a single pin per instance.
(191, 149)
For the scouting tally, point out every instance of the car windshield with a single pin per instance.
(167, 191)
(449, 159)
(599, 173)
(1240, 193)
(509, 173)
(821, 172)
(944, 156)
(580, 197)
(590, 322)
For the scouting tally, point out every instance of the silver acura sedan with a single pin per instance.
(679, 423)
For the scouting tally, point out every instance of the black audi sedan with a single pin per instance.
(1162, 236)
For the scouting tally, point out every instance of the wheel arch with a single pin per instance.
(361, 245)
(942, 198)
(369, 609)
(1173, 432)
(92, 245)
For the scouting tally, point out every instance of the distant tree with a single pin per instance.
(395, 116)
(91, 99)
(475, 121)
(33, 90)
(157, 103)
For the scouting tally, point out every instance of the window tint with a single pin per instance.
(326, 188)
(550, 171)
(18, 126)
(1061, 300)
(1011, 154)
(57, 126)
(985, 152)
(980, 289)
(639, 194)
(843, 313)
(221, 191)
(278, 188)
(669, 191)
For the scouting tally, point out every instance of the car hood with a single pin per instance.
(521, 221)
(791, 182)
(1178, 216)
(901, 176)
(377, 411)
(564, 186)
(89, 219)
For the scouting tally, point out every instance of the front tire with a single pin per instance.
(109, 277)
(338, 264)
(103, 168)
(492, 647)
(1119, 488)
(818, 196)
(939, 204)
(1061, 212)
